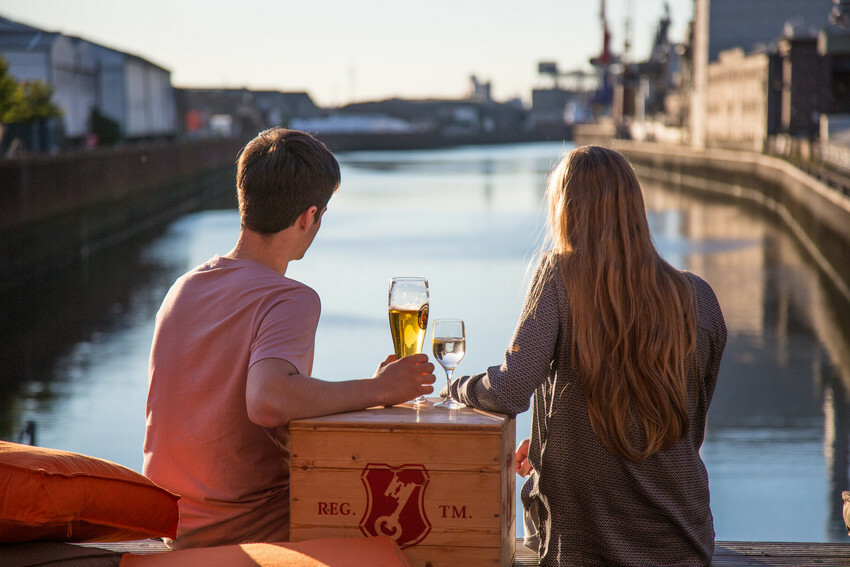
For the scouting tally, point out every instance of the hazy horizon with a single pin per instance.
(340, 52)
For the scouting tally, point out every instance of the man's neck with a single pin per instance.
(272, 252)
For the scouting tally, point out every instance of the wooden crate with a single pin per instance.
(440, 482)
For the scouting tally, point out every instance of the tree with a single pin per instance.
(32, 101)
(24, 102)
(7, 89)
(25, 109)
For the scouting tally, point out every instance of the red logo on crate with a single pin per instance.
(395, 503)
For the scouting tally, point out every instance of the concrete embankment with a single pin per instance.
(55, 210)
(818, 215)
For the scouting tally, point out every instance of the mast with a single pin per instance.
(604, 58)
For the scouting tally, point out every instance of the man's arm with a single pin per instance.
(276, 393)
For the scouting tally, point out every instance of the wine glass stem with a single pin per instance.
(449, 382)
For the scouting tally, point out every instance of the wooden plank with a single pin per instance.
(55, 553)
(406, 417)
(352, 448)
(508, 495)
(509, 546)
(524, 557)
(427, 556)
(780, 553)
(751, 554)
(726, 553)
(139, 547)
(477, 537)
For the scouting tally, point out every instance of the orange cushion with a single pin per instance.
(379, 551)
(46, 494)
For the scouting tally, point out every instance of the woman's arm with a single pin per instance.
(528, 358)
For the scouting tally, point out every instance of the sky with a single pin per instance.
(342, 51)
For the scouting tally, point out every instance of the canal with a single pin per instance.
(75, 343)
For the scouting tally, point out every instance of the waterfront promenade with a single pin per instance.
(752, 554)
(726, 553)
(814, 208)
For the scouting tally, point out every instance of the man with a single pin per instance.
(232, 355)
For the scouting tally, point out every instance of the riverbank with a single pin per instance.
(55, 210)
(817, 214)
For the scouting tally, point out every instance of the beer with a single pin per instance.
(408, 309)
(407, 327)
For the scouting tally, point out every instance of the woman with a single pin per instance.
(619, 353)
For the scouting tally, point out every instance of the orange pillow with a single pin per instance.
(380, 551)
(47, 494)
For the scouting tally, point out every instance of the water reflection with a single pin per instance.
(75, 345)
(56, 319)
(41, 321)
(778, 426)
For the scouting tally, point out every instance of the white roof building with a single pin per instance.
(84, 75)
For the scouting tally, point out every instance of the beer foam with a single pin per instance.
(406, 306)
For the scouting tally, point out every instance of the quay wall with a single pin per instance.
(56, 210)
(817, 214)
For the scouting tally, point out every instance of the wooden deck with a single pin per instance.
(726, 553)
(753, 553)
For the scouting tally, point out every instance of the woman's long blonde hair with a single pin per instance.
(633, 319)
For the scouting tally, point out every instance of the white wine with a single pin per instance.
(407, 327)
(449, 347)
(449, 351)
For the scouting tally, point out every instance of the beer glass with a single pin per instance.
(408, 310)
(449, 340)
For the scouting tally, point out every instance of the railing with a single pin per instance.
(829, 177)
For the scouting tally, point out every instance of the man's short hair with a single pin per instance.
(280, 174)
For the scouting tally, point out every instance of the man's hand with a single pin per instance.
(275, 393)
(522, 466)
(405, 379)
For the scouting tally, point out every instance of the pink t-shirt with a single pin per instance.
(231, 474)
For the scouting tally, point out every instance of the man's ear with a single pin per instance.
(308, 217)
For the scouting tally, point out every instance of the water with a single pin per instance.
(75, 345)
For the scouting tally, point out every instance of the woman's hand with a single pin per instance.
(522, 466)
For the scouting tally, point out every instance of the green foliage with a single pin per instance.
(24, 102)
(8, 86)
(31, 103)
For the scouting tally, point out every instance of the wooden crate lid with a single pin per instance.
(407, 417)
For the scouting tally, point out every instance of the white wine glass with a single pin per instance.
(408, 310)
(449, 340)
